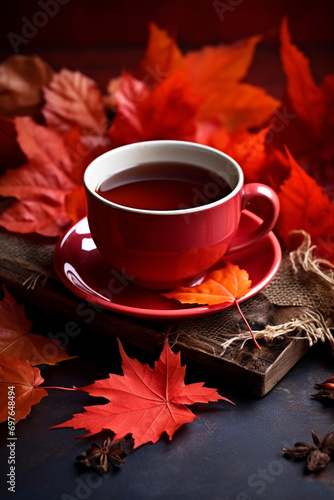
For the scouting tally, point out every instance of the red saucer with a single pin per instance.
(83, 270)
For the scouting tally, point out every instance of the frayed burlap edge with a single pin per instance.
(304, 257)
(311, 327)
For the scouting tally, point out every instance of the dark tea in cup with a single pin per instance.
(164, 186)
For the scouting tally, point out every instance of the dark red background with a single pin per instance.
(101, 37)
(124, 22)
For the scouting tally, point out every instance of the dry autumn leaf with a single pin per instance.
(213, 68)
(143, 402)
(21, 81)
(72, 99)
(23, 380)
(17, 343)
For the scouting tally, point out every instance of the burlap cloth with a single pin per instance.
(298, 303)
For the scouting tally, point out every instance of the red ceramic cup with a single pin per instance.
(160, 249)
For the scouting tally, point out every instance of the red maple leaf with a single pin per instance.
(307, 115)
(20, 382)
(214, 75)
(305, 206)
(40, 185)
(249, 149)
(168, 111)
(198, 86)
(143, 402)
(44, 184)
(17, 343)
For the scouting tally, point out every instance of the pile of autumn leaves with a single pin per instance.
(198, 96)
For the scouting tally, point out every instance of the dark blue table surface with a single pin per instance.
(228, 452)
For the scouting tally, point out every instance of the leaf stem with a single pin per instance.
(61, 388)
(169, 330)
(246, 323)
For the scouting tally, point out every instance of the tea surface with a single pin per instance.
(164, 186)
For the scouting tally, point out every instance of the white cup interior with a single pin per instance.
(124, 157)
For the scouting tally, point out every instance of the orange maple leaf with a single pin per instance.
(143, 402)
(20, 381)
(17, 343)
(241, 105)
(214, 75)
(226, 284)
(222, 285)
(199, 86)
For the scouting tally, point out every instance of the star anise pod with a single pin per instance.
(317, 455)
(110, 453)
(326, 391)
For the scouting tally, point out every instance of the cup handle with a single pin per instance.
(257, 190)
